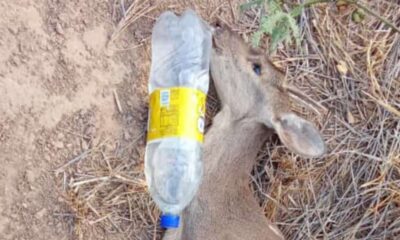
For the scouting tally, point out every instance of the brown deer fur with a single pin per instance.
(252, 106)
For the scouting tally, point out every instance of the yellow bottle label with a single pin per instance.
(176, 112)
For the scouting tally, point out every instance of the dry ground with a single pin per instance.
(73, 87)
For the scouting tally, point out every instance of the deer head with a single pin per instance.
(254, 101)
(252, 88)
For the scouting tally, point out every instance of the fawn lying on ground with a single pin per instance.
(254, 102)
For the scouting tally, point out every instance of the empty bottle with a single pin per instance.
(178, 85)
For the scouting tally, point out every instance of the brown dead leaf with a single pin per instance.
(342, 68)
(350, 117)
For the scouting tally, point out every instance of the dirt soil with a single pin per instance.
(73, 110)
(58, 88)
(73, 114)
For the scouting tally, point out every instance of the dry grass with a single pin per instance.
(352, 74)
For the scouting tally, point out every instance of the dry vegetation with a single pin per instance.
(351, 75)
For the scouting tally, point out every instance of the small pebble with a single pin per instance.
(59, 29)
(85, 145)
(40, 214)
(58, 144)
(127, 136)
(30, 176)
(13, 29)
(60, 136)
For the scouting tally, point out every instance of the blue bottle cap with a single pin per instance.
(169, 221)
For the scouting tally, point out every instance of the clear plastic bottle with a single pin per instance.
(179, 80)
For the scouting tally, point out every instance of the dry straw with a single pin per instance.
(350, 74)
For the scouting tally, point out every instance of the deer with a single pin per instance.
(254, 103)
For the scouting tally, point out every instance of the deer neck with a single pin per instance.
(230, 148)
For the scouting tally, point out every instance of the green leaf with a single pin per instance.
(279, 34)
(297, 11)
(252, 3)
(358, 15)
(279, 25)
(273, 6)
(256, 38)
(268, 23)
(294, 29)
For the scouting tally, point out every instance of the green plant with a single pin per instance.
(281, 25)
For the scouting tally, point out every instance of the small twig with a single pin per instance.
(132, 15)
(117, 101)
(309, 102)
(77, 184)
(74, 160)
(371, 12)
(384, 104)
(356, 3)
(308, 4)
(123, 8)
(367, 156)
(232, 12)
(128, 48)
(64, 181)
(93, 209)
(113, 223)
(155, 232)
(126, 180)
(64, 214)
(99, 220)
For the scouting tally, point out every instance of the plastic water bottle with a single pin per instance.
(178, 85)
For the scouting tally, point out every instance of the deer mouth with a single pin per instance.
(216, 43)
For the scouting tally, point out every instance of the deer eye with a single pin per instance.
(257, 68)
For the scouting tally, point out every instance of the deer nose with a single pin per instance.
(219, 27)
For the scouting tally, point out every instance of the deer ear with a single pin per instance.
(299, 135)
